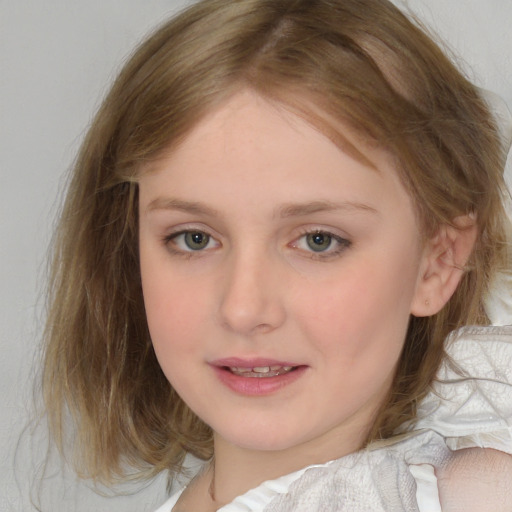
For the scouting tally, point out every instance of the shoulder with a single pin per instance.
(476, 479)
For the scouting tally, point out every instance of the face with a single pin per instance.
(279, 274)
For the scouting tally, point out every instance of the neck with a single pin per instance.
(236, 470)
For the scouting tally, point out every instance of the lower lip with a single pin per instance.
(257, 386)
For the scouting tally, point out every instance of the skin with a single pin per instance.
(256, 179)
(476, 480)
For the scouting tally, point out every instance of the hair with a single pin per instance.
(361, 62)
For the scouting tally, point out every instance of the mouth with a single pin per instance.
(260, 372)
(258, 376)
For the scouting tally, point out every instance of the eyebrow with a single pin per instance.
(162, 203)
(285, 211)
(300, 209)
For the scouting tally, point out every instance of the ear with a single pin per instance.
(442, 265)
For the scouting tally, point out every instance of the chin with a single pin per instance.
(258, 438)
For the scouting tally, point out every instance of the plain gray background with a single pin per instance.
(56, 60)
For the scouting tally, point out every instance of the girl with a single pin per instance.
(278, 216)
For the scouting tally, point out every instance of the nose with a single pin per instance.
(252, 295)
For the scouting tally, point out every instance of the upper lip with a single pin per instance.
(257, 362)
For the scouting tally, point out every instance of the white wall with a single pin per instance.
(56, 58)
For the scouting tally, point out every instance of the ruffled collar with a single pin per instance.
(256, 499)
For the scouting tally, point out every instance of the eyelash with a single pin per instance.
(341, 244)
(170, 240)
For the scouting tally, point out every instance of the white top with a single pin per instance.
(471, 407)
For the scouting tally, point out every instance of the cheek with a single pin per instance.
(174, 323)
(363, 314)
(174, 311)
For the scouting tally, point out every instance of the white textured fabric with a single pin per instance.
(254, 500)
(470, 405)
(427, 492)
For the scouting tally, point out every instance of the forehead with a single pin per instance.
(243, 114)
(260, 150)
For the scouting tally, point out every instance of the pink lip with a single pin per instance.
(255, 386)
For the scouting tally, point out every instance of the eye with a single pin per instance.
(321, 244)
(189, 241)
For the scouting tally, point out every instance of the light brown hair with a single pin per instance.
(358, 61)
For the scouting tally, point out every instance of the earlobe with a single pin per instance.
(443, 264)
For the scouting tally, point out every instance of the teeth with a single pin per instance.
(240, 370)
(260, 371)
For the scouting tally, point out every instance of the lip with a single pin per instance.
(252, 386)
